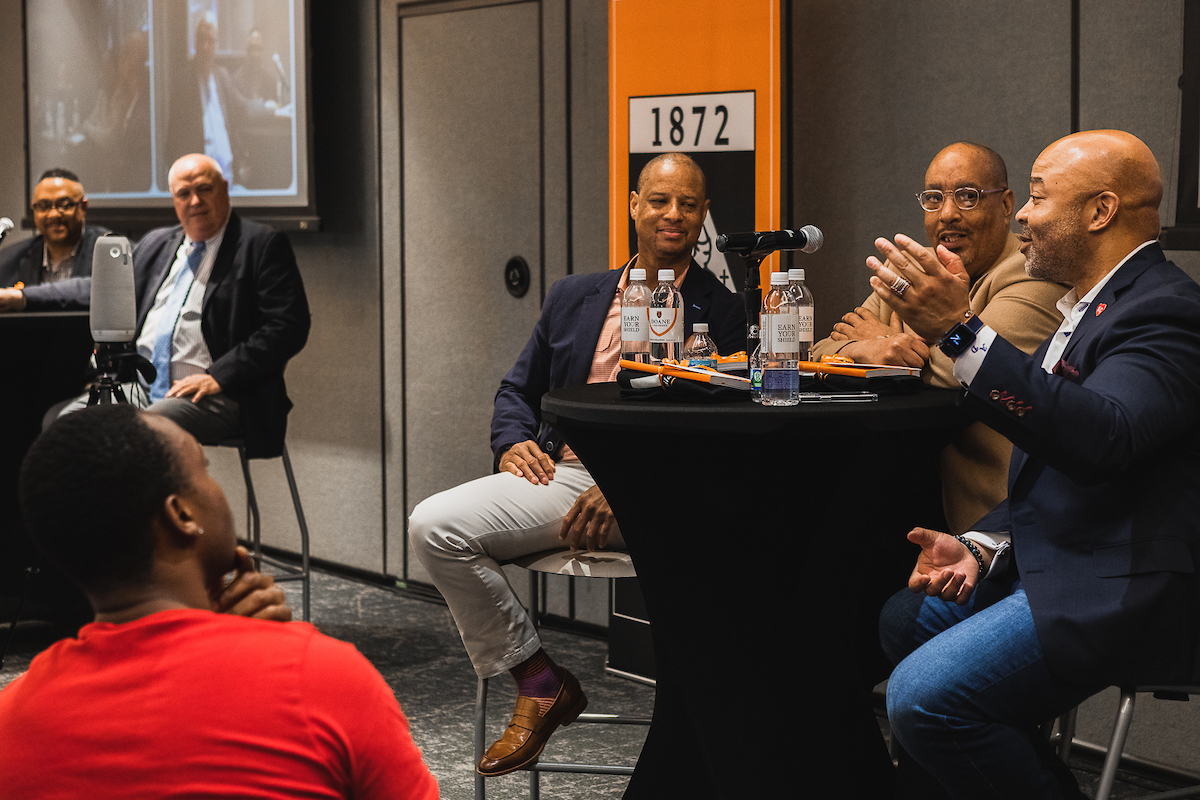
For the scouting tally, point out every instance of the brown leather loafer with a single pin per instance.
(529, 729)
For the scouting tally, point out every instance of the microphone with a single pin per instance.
(6, 225)
(113, 316)
(756, 243)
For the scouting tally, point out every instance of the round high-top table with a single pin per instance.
(766, 541)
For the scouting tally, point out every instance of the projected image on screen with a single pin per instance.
(119, 89)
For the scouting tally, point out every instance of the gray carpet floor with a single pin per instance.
(415, 646)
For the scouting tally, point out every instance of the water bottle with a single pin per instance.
(780, 344)
(700, 350)
(804, 301)
(755, 365)
(666, 319)
(635, 318)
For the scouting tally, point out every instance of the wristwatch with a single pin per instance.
(956, 340)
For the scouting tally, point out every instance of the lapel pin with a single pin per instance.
(1100, 308)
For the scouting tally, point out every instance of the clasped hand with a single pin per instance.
(251, 594)
(874, 342)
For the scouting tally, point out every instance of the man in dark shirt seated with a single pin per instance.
(541, 496)
(52, 271)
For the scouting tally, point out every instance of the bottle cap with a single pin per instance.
(700, 327)
(637, 274)
(795, 274)
(779, 279)
(666, 275)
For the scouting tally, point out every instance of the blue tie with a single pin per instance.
(161, 357)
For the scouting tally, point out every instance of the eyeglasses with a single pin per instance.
(965, 198)
(64, 204)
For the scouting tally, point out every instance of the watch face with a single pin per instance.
(957, 339)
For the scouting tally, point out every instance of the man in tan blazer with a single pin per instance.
(968, 209)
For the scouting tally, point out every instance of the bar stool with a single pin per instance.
(287, 572)
(584, 564)
(1114, 755)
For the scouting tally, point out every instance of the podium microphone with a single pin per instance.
(113, 319)
(756, 243)
(6, 225)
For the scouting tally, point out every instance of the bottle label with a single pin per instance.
(664, 327)
(806, 324)
(780, 380)
(635, 324)
(756, 379)
(781, 332)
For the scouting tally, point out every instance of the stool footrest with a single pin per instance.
(612, 719)
(591, 769)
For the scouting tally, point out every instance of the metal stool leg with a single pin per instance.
(481, 693)
(305, 573)
(252, 503)
(1112, 761)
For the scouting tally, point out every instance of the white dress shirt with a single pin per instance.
(189, 353)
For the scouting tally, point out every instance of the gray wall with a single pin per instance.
(879, 88)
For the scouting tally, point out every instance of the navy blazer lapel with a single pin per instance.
(697, 296)
(158, 273)
(31, 265)
(593, 309)
(1092, 322)
(224, 262)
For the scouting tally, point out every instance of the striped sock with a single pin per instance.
(539, 679)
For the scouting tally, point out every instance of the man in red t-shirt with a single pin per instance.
(160, 696)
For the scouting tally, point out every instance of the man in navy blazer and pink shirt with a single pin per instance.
(541, 497)
(1085, 576)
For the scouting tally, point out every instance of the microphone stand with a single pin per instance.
(753, 295)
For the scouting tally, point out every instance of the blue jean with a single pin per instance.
(968, 692)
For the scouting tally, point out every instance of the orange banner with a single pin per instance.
(700, 77)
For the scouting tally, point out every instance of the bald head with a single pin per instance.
(1094, 162)
(675, 160)
(1093, 198)
(201, 195)
(979, 234)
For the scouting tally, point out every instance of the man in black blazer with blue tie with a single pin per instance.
(542, 497)
(1085, 576)
(243, 317)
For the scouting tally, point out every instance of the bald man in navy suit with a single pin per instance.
(1085, 576)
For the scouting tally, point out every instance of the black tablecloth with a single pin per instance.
(43, 358)
(766, 540)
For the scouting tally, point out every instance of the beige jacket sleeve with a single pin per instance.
(1019, 308)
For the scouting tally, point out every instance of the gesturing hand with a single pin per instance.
(586, 525)
(945, 568)
(937, 292)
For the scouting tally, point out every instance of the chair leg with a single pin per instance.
(305, 574)
(1112, 760)
(481, 693)
(252, 502)
(1066, 733)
